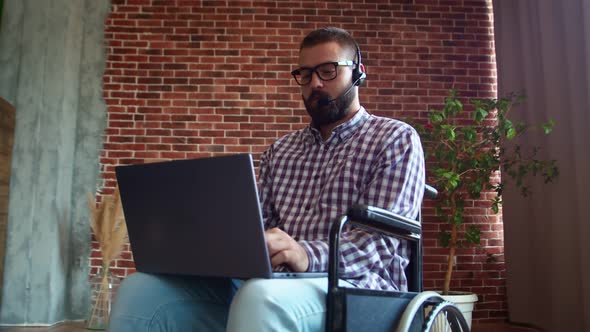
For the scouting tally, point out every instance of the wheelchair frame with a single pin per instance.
(351, 309)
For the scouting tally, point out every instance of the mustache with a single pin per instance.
(319, 95)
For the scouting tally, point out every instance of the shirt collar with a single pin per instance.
(341, 133)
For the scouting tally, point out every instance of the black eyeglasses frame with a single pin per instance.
(297, 72)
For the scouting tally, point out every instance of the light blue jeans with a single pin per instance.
(147, 302)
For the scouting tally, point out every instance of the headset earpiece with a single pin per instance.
(358, 75)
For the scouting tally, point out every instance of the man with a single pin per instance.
(308, 178)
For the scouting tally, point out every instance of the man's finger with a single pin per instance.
(279, 258)
(276, 240)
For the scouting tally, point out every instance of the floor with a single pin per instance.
(501, 327)
(79, 327)
(64, 327)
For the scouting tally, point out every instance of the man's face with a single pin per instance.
(318, 92)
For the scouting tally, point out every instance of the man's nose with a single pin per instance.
(315, 80)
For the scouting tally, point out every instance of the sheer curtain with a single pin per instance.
(543, 47)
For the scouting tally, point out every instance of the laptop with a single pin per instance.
(197, 217)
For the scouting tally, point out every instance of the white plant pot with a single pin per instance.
(464, 301)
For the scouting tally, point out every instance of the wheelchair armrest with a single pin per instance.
(384, 221)
(430, 192)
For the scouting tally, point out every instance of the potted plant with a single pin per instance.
(465, 151)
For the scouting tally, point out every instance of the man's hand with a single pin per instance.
(283, 249)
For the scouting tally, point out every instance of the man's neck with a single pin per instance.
(326, 130)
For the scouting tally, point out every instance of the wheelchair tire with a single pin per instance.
(445, 317)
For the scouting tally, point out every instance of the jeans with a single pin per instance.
(149, 302)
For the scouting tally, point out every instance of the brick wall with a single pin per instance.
(189, 79)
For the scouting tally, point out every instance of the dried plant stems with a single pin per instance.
(109, 228)
(108, 225)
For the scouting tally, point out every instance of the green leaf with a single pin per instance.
(480, 114)
(510, 133)
(472, 234)
(495, 207)
(548, 127)
(509, 130)
(458, 218)
(458, 105)
(449, 132)
(475, 189)
(435, 117)
(445, 238)
(469, 134)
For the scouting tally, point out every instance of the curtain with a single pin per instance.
(543, 48)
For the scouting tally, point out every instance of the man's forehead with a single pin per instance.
(326, 52)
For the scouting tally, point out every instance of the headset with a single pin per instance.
(358, 75)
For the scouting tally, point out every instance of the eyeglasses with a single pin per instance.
(326, 71)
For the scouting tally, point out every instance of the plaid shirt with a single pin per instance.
(305, 183)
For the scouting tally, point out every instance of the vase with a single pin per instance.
(103, 288)
(465, 302)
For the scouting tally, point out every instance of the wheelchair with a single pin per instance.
(353, 309)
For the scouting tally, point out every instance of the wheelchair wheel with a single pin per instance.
(445, 317)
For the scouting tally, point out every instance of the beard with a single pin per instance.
(334, 111)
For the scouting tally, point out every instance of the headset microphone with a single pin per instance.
(325, 101)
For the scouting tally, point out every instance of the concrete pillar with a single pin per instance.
(51, 63)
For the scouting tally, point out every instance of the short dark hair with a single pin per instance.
(330, 34)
